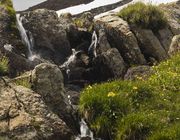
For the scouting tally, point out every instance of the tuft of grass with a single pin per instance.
(125, 110)
(144, 15)
(23, 82)
(4, 67)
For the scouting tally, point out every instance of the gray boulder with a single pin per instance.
(149, 44)
(108, 65)
(47, 80)
(165, 37)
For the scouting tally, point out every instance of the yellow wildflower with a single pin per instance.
(89, 87)
(135, 88)
(111, 94)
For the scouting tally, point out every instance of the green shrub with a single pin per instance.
(138, 109)
(144, 15)
(4, 61)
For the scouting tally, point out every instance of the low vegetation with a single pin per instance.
(23, 82)
(136, 110)
(4, 61)
(11, 14)
(144, 15)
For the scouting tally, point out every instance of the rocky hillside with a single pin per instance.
(41, 82)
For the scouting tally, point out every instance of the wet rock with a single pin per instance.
(24, 115)
(120, 37)
(175, 45)
(149, 44)
(50, 38)
(138, 73)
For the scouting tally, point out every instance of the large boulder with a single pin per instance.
(149, 44)
(175, 45)
(108, 65)
(47, 80)
(165, 37)
(25, 116)
(120, 36)
(50, 38)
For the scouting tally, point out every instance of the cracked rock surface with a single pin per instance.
(24, 116)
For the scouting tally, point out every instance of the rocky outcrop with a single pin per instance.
(50, 38)
(121, 37)
(175, 45)
(149, 44)
(24, 115)
(138, 73)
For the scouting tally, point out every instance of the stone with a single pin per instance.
(165, 36)
(103, 43)
(120, 36)
(149, 44)
(50, 37)
(175, 45)
(47, 80)
(108, 65)
(24, 115)
(172, 12)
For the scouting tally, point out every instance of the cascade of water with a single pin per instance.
(70, 60)
(28, 42)
(85, 131)
(93, 46)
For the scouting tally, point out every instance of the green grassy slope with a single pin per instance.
(136, 110)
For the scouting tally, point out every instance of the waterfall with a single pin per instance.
(85, 131)
(93, 46)
(28, 42)
(70, 61)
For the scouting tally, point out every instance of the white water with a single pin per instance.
(29, 42)
(70, 60)
(85, 131)
(23, 34)
(8, 47)
(93, 46)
